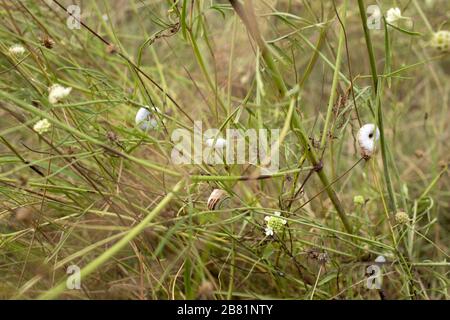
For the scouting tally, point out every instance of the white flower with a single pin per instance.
(42, 126)
(269, 231)
(441, 41)
(57, 93)
(366, 139)
(274, 223)
(393, 15)
(144, 118)
(220, 143)
(16, 49)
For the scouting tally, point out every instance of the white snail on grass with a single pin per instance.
(57, 92)
(145, 118)
(367, 136)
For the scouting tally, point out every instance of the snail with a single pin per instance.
(144, 118)
(367, 136)
(216, 196)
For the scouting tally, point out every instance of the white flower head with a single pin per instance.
(367, 136)
(269, 231)
(393, 16)
(441, 41)
(42, 126)
(274, 223)
(220, 143)
(145, 118)
(16, 50)
(401, 217)
(57, 93)
(380, 259)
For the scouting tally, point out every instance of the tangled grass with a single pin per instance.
(81, 184)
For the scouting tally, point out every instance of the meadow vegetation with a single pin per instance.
(82, 184)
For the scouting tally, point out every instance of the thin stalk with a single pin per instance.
(335, 76)
(376, 94)
(249, 19)
(108, 254)
(373, 66)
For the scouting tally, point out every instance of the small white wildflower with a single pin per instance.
(367, 136)
(274, 223)
(42, 126)
(220, 143)
(393, 16)
(145, 119)
(269, 231)
(16, 49)
(380, 259)
(441, 41)
(57, 93)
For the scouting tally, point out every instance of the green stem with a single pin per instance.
(376, 93)
(105, 256)
(335, 76)
(249, 20)
(373, 66)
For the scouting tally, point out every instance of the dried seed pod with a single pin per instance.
(367, 136)
(111, 49)
(47, 42)
(25, 215)
(205, 291)
(215, 198)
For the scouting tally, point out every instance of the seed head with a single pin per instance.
(441, 41)
(401, 217)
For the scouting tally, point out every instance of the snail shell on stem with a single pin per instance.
(145, 119)
(215, 198)
(367, 136)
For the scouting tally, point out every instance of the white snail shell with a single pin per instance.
(215, 197)
(145, 119)
(367, 136)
